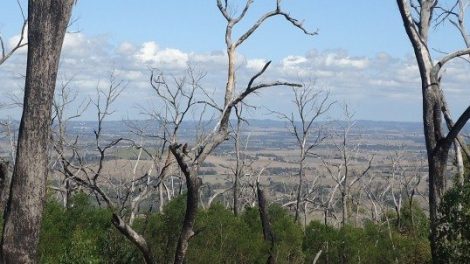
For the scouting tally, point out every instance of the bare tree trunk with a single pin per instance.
(434, 106)
(236, 194)
(310, 105)
(67, 194)
(344, 210)
(459, 163)
(5, 166)
(193, 184)
(239, 164)
(134, 237)
(301, 182)
(398, 221)
(345, 190)
(161, 200)
(47, 22)
(265, 223)
(190, 160)
(5, 180)
(413, 231)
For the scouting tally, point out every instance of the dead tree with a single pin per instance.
(417, 18)
(397, 178)
(47, 22)
(89, 176)
(239, 168)
(190, 160)
(376, 193)
(241, 161)
(456, 18)
(403, 181)
(178, 99)
(328, 200)
(265, 222)
(344, 172)
(310, 104)
(64, 98)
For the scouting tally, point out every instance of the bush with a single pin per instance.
(162, 230)
(224, 238)
(83, 233)
(371, 244)
(453, 226)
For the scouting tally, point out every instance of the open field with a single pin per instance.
(268, 147)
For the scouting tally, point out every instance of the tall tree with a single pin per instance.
(47, 20)
(417, 16)
(190, 159)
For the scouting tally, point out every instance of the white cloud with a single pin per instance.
(255, 64)
(91, 59)
(75, 41)
(291, 61)
(172, 57)
(147, 52)
(151, 54)
(217, 58)
(126, 48)
(356, 63)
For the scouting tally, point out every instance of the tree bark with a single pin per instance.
(193, 184)
(48, 20)
(236, 194)
(344, 211)
(437, 144)
(5, 181)
(265, 224)
(239, 163)
(300, 186)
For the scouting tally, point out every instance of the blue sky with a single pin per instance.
(361, 54)
(198, 26)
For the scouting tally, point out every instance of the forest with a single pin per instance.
(199, 180)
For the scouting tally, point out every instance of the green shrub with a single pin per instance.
(224, 238)
(83, 233)
(370, 244)
(453, 225)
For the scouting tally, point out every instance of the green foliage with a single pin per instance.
(288, 236)
(162, 230)
(371, 244)
(224, 238)
(83, 233)
(414, 222)
(453, 226)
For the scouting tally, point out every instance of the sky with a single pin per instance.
(361, 54)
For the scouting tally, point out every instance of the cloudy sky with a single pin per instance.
(361, 54)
